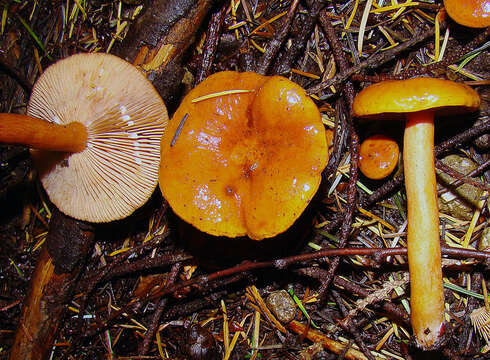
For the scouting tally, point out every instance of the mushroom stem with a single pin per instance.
(424, 254)
(41, 134)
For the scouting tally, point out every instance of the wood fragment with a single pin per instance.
(57, 270)
(158, 39)
(211, 44)
(273, 47)
(334, 346)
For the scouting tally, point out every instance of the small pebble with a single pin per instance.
(281, 305)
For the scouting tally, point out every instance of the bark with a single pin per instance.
(61, 261)
(157, 42)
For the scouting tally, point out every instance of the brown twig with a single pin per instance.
(275, 44)
(354, 151)
(212, 39)
(350, 208)
(239, 271)
(381, 58)
(283, 64)
(474, 172)
(461, 138)
(157, 314)
(373, 62)
(120, 267)
(145, 263)
(341, 133)
(461, 177)
(451, 57)
(350, 326)
(333, 345)
(283, 263)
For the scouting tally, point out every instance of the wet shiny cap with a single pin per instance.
(246, 159)
(378, 156)
(470, 13)
(392, 98)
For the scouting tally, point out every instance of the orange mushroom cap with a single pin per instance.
(378, 156)
(470, 13)
(243, 163)
(396, 97)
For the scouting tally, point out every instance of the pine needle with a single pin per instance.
(221, 93)
(362, 27)
(226, 328)
(267, 22)
(34, 36)
(302, 308)
(351, 17)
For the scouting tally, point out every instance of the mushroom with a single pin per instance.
(419, 100)
(97, 122)
(243, 155)
(378, 156)
(470, 13)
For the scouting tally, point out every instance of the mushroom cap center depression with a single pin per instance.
(243, 163)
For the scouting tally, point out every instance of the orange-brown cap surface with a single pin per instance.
(124, 117)
(243, 163)
(402, 96)
(470, 13)
(378, 156)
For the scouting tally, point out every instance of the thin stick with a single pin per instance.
(276, 43)
(179, 129)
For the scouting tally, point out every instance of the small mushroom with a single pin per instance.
(97, 123)
(378, 156)
(470, 13)
(246, 159)
(419, 100)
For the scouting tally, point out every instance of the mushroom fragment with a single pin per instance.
(98, 123)
(244, 162)
(470, 13)
(378, 156)
(419, 100)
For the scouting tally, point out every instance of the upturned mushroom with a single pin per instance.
(418, 100)
(470, 13)
(243, 155)
(96, 123)
(378, 156)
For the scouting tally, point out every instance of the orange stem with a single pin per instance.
(41, 134)
(424, 253)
